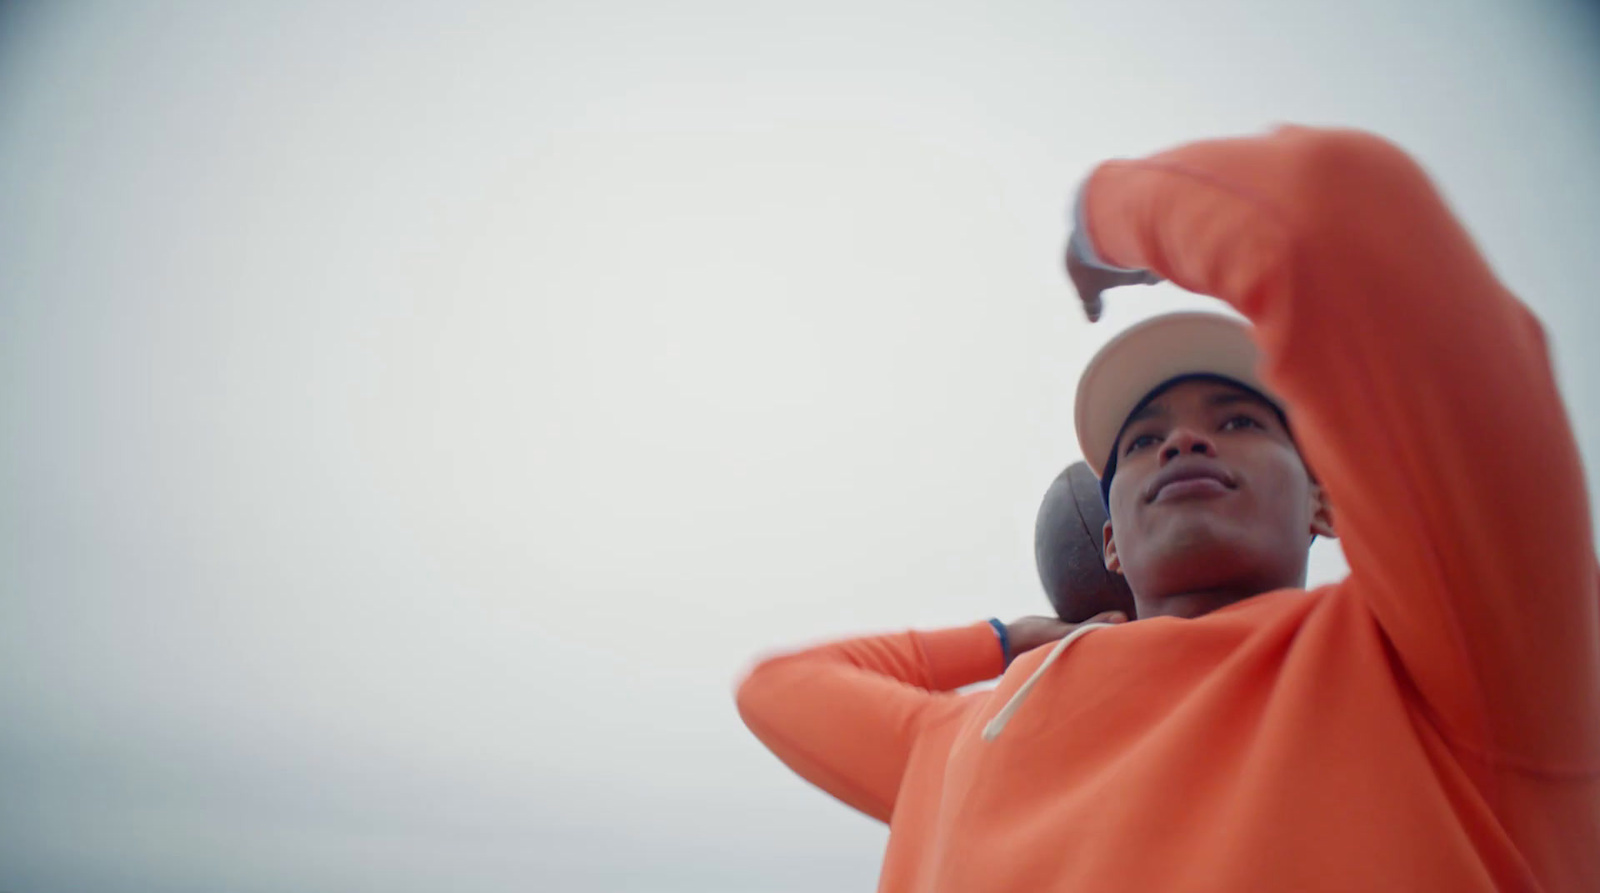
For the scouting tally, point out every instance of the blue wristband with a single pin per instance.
(1005, 640)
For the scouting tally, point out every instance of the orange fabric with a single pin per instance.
(1430, 723)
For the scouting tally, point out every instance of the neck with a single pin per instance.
(1202, 596)
(1193, 604)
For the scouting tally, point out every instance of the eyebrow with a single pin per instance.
(1229, 397)
(1148, 411)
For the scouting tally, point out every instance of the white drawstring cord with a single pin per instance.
(992, 730)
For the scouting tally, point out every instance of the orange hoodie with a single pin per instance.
(1430, 723)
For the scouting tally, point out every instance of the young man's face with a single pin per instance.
(1210, 493)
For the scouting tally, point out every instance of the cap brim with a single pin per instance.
(1149, 354)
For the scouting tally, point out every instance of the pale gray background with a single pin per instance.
(413, 417)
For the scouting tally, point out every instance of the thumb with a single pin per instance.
(1109, 617)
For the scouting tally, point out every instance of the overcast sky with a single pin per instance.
(413, 418)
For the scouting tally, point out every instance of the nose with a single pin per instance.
(1183, 441)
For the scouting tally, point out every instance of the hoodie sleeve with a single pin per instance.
(846, 716)
(1422, 395)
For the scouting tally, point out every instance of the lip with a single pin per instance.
(1194, 478)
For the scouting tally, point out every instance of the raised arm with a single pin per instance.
(1422, 396)
(846, 716)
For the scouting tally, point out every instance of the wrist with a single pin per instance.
(1080, 243)
(960, 655)
(1003, 634)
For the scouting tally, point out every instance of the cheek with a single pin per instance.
(1135, 528)
(1125, 487)
(1283, 487)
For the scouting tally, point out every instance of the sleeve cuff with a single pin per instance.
(962, 656)
(1081, 244)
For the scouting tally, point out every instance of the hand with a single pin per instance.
(1090, 281)
(1031, 632)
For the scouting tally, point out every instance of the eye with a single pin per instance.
(1234, 423)
(1141, 441)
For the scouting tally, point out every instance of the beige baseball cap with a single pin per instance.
(1149, 354)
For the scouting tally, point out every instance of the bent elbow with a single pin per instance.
(1346, 156)
(1344, 176)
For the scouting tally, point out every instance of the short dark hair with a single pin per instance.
(1162, 388)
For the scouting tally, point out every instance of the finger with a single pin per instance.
(1109, 617)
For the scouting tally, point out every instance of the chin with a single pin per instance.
(1191, 556)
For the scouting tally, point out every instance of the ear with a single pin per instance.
(1321, 513)
(1109, 550)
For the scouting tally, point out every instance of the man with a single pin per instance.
(1430, 723)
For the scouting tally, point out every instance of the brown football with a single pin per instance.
(1067, 549)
